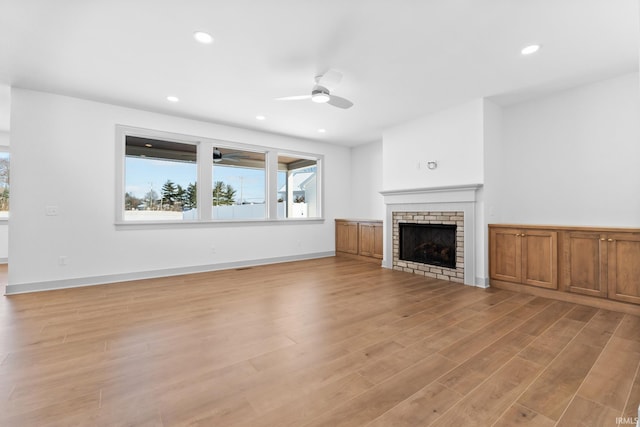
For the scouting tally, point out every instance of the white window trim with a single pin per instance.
(319, 159)
(205, 148)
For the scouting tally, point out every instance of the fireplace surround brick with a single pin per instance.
(431, 217)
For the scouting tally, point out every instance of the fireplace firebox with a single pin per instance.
(433, 244)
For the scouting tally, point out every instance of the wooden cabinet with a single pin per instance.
(527, 256)
(370, 239)
(623, 267)
(505, 254)
(347, 237)
(603, 265)
(540, 258)
(359, 237)
(569, 263)
(585, 263)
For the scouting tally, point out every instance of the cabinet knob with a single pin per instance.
(610, 240)
(517, 235)
(602, 239)
(523, 235)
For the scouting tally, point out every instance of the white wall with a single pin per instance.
(573, 158)
(452, 137)
(455, 139)
(63, 154)
(366, 181)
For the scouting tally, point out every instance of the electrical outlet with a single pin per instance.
(51, 210)
(213, 250)
(62, 260)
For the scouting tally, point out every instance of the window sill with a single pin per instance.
(146, 225)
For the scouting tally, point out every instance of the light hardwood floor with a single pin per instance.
(329, 342)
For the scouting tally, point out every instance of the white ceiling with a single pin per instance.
(400, 59)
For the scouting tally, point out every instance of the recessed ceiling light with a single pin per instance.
(202, 37)
(530, 49)
(148, 145)
(173, 99)
(322, 130)
(260, 117)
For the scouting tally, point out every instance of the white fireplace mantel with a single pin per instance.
(445, 194)
(446, 198)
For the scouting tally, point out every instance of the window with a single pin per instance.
(160, 180)
(4, 184)
(239, 182)
(297, 187)
(165, 177)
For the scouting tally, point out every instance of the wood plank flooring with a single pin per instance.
(328, 342)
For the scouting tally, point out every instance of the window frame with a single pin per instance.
(319, 181)
(122, 132)
(246, 148)
(204, 179)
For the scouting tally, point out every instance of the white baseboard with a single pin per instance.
(126, 277)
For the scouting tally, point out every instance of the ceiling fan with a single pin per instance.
(219, 156)
(320, 92)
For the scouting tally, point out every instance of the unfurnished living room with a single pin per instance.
(337, 213)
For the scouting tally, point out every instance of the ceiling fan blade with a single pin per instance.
(330, 78)
(294, 98)
(340, 102)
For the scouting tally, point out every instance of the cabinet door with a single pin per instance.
(366, 239)
(377, 241)
(505, 254)
(370, 235)
(624, 267)
(540, 258)
(347, 237)
(584, 270)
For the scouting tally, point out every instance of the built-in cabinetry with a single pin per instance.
(603, 264)
(359, 237)
(574, 262)
(526, 256)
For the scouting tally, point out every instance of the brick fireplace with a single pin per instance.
(451, 205)
(453, 218)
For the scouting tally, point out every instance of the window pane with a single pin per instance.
(160, 180)
(238, 184)
(297, 188)
(4, 185)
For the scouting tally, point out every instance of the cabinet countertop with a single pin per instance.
(567, 228)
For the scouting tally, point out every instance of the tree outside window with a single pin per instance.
(160, 179)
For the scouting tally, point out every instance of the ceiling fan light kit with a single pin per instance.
(320, 95)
